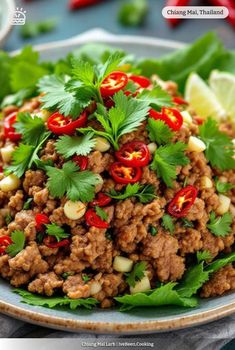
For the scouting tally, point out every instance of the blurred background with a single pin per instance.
(62, 22)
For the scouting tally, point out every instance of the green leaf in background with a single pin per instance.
(34, 29)
(201, 57)
(133, 13)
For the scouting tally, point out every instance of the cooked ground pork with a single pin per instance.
(90, 251)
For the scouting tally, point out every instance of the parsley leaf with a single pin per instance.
(220, 226)
(136, 274)
(166, 159)
(223, 187)
(159, 132)
(30, 128)
(51, 302)
(164, 295)
(67, 146)
(127, 115)
(56, 231)
(157, 97)
(101, 213)
(72, 183)
(219, 147)
(203, 256)
(18, 239)
(167, 223)
(145, 193)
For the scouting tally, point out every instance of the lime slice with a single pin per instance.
(202, 99)
(223, 86)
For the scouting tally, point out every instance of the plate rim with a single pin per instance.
(5, 31)
(72, 325)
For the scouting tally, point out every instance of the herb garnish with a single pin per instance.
(136, 274)
(56, 231)
(220, 226)
(144, 193)
(18, 239)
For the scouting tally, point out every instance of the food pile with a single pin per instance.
(113, 190)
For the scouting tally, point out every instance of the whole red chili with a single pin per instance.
(171, 116)
(230, 4)
(41, 220)
(101, 200)
(76, 4)
(9, 130)
(113, 83)
(134, 154)
(50, 242)
(182, 202)
(60, 125)
(174, 21)
(5, 241)
(81, 161)
(179, 101)
(92, 219)
(125, 174)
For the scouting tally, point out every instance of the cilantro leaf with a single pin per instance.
(166, 159)
(101, 213)
(157, 97)
(61, 95)
(219, 147)
(223, 187)
(67, 146)
(133, 13)
(110, 65)
(25, 156)
(145, 193)
(72, 183)
(167, 223)
(51, 302)
(56, 231)
(220, 226)
(127, 115)
(18, 98)
(136, 274)
(18, 239)
(158, 131)
(203, 256)
(30, 128)
(83, 71)
(193, 279)
(164, 295)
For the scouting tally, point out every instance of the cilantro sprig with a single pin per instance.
(168, 223)
(72, 183)
(219, 147)
(159, 131)
(223, 187)
(30, 128)
(166, 159)
(56, 231)
(18, 242)
(144, 193)
(220, 226)
(136, 274)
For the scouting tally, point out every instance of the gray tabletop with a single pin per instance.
(214, 335)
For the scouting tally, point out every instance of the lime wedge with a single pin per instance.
(202, 99)
(223, 86)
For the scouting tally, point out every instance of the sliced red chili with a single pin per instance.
(60, 125)
(179, 101)
(134, 154)
(114, 82)
(5, 241)
(51, 242)
(77, 4)
(101, 200)
(182, 202)
(92, 219)
(9, 130)
(171, 116)
(199, 120)
(140, 80)
(124, 174)
(41, 220)
(81, 161)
